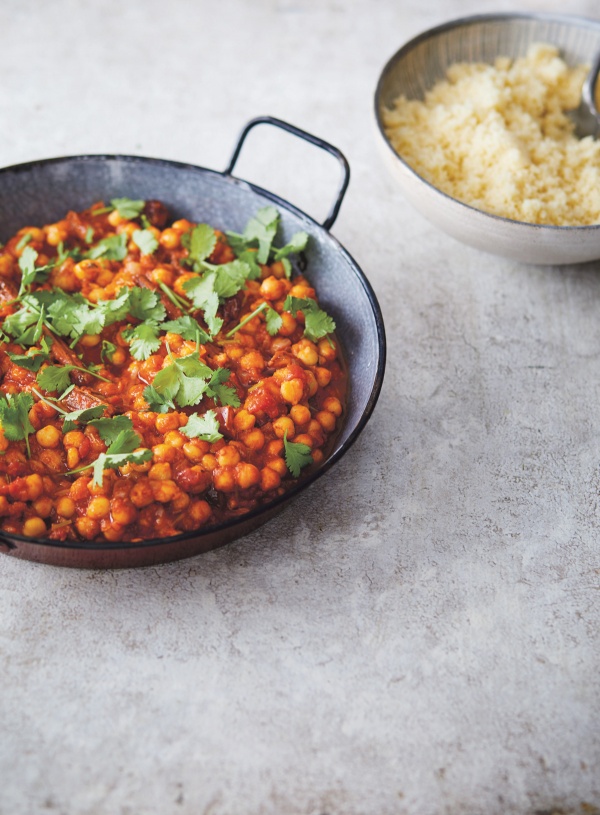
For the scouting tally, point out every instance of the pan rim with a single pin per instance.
(338, 452)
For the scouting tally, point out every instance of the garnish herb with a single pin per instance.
(127, 207)
(317, 323)
(145, 241)
(112, 248)
(297, 455)
(143, 339)
(122, 447)
(30, 273)
(200, 243)
(56, 378)
(14, 417)
(247, 319)
(204, 427)
(185, 382)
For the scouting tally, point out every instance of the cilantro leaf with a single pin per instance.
(263, 228)
(204, 427)
(145, 304)
(29, 271)
(33, 361)
(83, 415)
(217, 284)
(128, 208)
(25, 325)
(200, 243)
(187, 328)
(14, 417)
(145, 241)
(273, 321)
(317, 323)
(114, 247)
(143, 339)
(296, 244)
(224, 393)
(157, 402)
(297, 455)
(55, 377)
(110, 428)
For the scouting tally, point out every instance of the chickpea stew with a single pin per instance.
(157, 377)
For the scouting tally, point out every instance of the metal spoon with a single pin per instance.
(586, 117)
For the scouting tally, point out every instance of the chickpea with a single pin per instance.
(163, 452)
(181, 502)
(253, 360)
(123, 511)
(48, 436)
(175, 439)
(34, 486)
(65, 507)
(167, 421)
(244, 420)
(278, 465)
(292, 390)
(300, 414)
(170, 238)
(275, 447)
(182, 225)
(306, 352)
(114, 219)
(246, 475)
(56, 233)
(228, 456)
(88, 528)
(160, 471)
(317, 456)
(224, 479)
(141, 494)
(327, 349)
(209, 462)
(254, 439)
(199, 512)
(73, 458)
(164, 490)
(333, 405)
(288, 324)
(283, 425)
(99, 507)
(90, 340)
(273, 288)
(162, 275)
(73, 438)
(195, 450)
(269, 479)
(312, 384)
(323, 376)
(305, 438)
(34, 527)
(327, 420)
(43, 506)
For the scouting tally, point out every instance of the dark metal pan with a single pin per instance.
(40, 192)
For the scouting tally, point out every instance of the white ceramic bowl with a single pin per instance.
(419, 64)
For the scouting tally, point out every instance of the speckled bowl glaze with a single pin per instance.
(420, 63)
(43, 191)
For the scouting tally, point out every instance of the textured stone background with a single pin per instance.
(418, 633)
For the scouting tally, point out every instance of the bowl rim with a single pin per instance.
(460, 22)
(269, 508)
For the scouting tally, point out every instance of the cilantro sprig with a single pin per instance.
(255, 244)
(123, 447)
(297, 455)
(185, 382)
(203, 426)
(317, 323)
(14, 417)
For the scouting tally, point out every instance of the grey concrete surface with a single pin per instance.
(418, 633)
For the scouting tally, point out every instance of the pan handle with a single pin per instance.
(302, 134)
